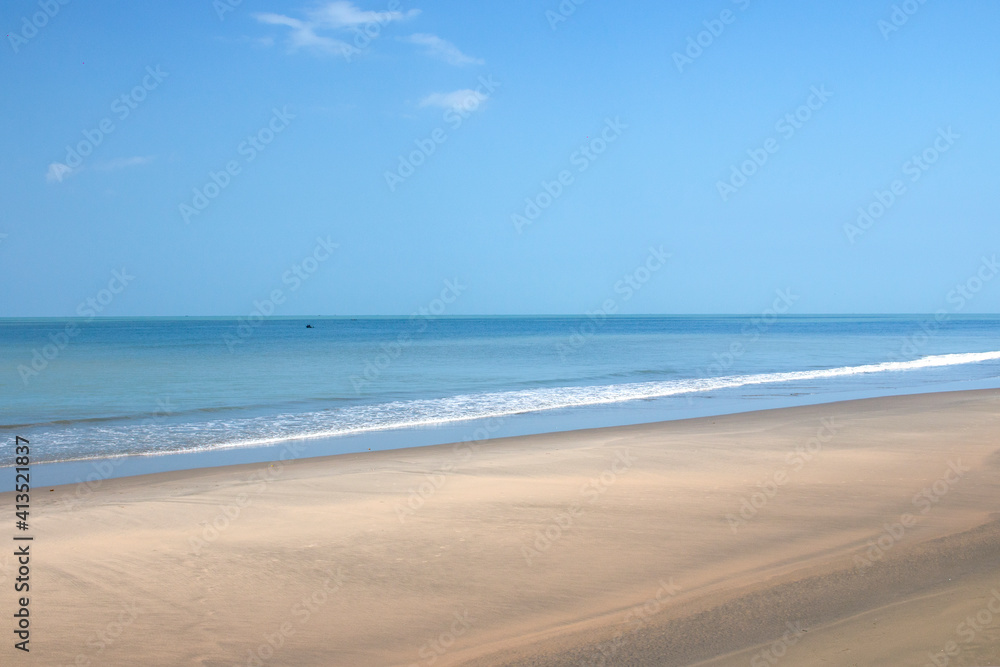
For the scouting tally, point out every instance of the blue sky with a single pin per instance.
(422, 153)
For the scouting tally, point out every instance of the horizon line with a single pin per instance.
(951, 316)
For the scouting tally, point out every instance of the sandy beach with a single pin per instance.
(854, 533)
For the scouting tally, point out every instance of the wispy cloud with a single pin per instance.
(442, 49)
(459, 100)
(343, 14)
(58, 172)
(304, 33)
(124, 163)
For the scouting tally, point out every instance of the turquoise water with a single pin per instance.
(85, 390)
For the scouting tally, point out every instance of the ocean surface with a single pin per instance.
(146, 388)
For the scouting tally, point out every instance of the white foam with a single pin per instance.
(83, 443)
(431, 412)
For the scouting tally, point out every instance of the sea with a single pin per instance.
(117, 397)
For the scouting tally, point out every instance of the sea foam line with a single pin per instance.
(468, 407)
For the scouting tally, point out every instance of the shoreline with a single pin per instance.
(700, 541)
(628, 413)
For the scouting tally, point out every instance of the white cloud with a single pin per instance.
(339, 15)
(303, 35)
(442, 49)
(459, 100)
(124, 163)
(345, 15)
(58, 172)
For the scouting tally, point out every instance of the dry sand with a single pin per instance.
(606, 546)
